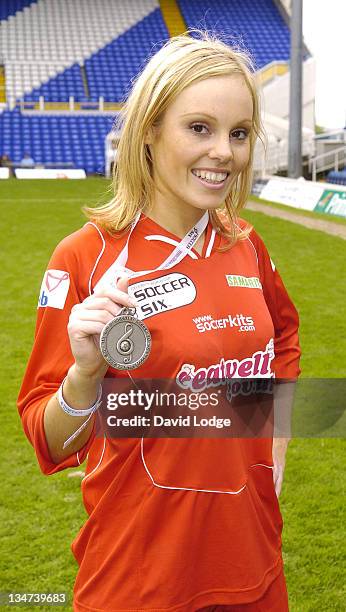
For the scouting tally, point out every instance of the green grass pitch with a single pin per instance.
(40, 516)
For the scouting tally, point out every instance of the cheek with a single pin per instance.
(243, 156)
(173, 157)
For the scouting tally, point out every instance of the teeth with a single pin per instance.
(216, 177)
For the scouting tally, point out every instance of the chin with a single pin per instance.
(205, 203)
(210, 205)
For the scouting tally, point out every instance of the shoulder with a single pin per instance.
(78, 254)
(70, 267)
(86, 254)
(83, 246)
(87, 237)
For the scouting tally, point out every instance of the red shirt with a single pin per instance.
(174, 524)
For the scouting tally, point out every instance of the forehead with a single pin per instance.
(216, 96)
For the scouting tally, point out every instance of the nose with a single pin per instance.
(221, 149)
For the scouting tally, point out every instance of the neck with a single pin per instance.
(176, 222)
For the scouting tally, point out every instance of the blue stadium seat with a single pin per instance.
(338, 177)
(10, 7)
(110, 70)
(60, 88)
(56, 139)
(248, 24)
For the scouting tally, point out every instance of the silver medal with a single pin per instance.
(125, 341)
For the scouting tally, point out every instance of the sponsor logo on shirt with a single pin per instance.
(239, 321)
(54, 289)
(162, 294)
(250, 282)
(258, 365)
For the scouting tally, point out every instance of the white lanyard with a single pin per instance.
(118, 268)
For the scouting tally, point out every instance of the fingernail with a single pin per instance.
(133, 302)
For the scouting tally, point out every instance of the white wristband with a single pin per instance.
(80, 413)
(72, 411)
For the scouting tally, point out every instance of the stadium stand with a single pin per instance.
(53, 35)
(110, 71)
(58, 49)
(256, 25)
(52, 140)
(67, 83)
(113, 39)
(49, 66)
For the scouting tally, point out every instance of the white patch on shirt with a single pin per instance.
(54, 289)
(162, 294)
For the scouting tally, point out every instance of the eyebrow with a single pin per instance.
(199, 114)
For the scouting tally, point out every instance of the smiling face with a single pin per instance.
(201, 144)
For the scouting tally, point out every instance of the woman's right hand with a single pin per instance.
(87, 321)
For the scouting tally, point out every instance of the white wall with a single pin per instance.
(275, 95)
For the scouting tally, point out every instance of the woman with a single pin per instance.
(174, 524)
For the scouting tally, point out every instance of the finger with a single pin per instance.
(94, 303)
(101, 316)
(278, 487)
(123, 284)
(118, 297)
(96, 339)
(82, 329)
(278, 479)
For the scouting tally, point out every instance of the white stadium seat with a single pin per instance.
(69, 31)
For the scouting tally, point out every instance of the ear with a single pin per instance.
(149, 137)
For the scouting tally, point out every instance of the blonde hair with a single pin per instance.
(182, 61)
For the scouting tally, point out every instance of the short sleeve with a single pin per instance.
(283, 313)
(51, 355)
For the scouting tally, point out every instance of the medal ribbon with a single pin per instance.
(118, 268)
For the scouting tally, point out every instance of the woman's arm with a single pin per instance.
(79, 392)
(81, 385)
(287, 354)
(283, 409)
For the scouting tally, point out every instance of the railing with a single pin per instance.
(335, 135)
(336, 158)
(71, 106)
(47, 165)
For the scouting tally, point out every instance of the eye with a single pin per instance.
(198, 127)
(240, 134)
